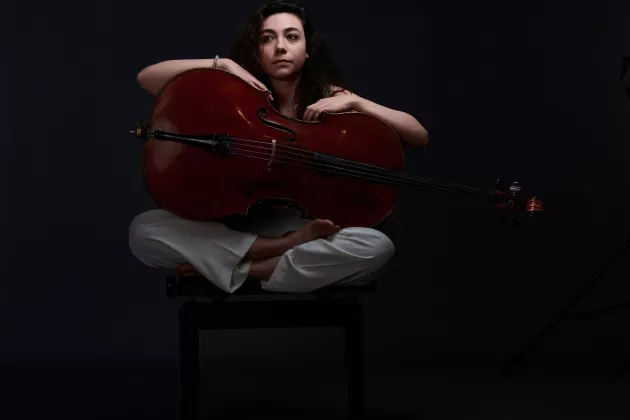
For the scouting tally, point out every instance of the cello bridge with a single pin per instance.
(273, 153)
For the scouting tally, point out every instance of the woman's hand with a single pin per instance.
(339, 103)
(234, 68)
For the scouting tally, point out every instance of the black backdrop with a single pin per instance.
(528, 92)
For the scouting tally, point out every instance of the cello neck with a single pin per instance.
(344, 167)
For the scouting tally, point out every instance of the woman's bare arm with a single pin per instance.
(155, 76)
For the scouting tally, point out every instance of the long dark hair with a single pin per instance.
(319, 72)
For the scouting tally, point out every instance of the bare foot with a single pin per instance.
(318, 228)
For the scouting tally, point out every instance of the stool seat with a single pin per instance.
(188, 283)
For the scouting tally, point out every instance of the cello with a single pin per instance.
(215, 146)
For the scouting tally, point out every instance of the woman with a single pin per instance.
(278, 51)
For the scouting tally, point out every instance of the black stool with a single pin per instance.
(329, 306)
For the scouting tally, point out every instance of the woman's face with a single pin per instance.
(282, 46)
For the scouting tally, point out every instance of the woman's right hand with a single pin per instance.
(234, 68)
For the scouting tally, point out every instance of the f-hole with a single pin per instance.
(262, 113)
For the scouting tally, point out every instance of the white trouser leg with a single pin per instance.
(159, 238)
(349, 256)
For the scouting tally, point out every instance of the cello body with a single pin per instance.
(201, 183)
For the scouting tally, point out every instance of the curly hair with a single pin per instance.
(319, 72)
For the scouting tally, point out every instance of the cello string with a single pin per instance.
(337, 172)
(362, 166)
(380, 172)
(371, 177)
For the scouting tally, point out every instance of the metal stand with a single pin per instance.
(563, 313)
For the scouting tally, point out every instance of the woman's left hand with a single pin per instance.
(339, 103)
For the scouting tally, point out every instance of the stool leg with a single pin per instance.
(355, 361)
(189, 364)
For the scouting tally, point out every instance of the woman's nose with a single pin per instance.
(280, 45)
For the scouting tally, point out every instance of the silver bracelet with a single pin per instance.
(216, 61)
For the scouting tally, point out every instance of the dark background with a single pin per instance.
(527, 91)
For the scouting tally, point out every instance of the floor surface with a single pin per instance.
(264, 391)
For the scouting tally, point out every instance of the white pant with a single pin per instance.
(353, 255)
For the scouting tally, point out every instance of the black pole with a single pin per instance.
(588, 285)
